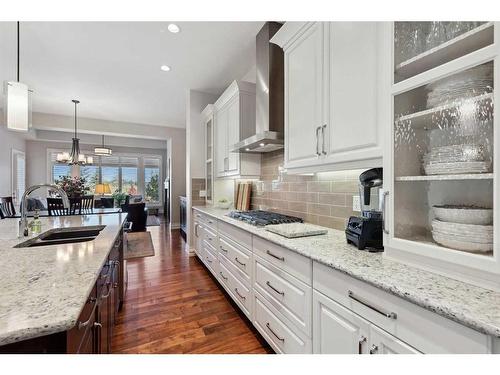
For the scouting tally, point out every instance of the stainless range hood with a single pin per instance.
(269, 95)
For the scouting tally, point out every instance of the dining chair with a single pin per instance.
(75, 206)
(55, 207)
(87, 203)
(7, 206)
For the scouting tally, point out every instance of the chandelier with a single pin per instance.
(75, 157)
(103, 150)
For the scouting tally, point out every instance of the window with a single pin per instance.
(18, 174)
(91, 175)
(132, 173)
(152, 179)
(129, 180)
(110, 175)
(60, 170)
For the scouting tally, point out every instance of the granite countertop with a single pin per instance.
(44, 288)
(472, 306)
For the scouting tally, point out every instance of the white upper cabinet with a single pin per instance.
(351, 132)
(304, 96)
(331, 95)
(235, 120)
(441, 150)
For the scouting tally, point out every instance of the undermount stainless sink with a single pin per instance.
(61, 236)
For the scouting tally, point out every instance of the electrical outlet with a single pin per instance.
(356, 204)
(203, 193)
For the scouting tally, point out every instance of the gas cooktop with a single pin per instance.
(263, 218)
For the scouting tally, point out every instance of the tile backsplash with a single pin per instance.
(197, 184)
(323, 198)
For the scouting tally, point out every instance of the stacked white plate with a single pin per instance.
(470, 230)
(467, 84)
(456, 159)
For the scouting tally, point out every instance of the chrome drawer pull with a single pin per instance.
(237, 261)
(275, 256)
(224, 250)
(275, 335)
(208, 260)
(273, 288)
(98, 325)
(239, 295)
(361, 340)
(224, 277)
(85, 324)
(108, 284)
(387, 314)
(374, 349)
(210, 221)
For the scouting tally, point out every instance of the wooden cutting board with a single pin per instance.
(243, 194)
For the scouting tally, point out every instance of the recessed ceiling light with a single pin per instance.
(165, 68)
(173, 28)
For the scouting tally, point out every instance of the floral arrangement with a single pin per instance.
(73, 186)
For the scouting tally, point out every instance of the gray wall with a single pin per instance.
(8, 140)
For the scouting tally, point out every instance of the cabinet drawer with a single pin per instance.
(237, 235)
(290, 296)
(282, 336)
(207, 220)
(210, 237)
(211, 260)
(424, 330)
(237, 255)
(240, 293)
(293, 263)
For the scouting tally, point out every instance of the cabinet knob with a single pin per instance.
(98, 325)
(374, 349)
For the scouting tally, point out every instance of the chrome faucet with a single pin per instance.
(23, 222)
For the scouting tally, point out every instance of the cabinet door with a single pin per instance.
(233, 136)
(220, 145)
(351, 131)
(337, 330)
(103, 319)
(304, 60)
(382, 342)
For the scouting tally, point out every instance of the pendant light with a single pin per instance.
(75, 157)
(17, 106)
(103, 150)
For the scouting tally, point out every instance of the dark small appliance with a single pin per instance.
(365, 231)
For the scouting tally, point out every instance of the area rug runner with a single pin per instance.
(139, 245)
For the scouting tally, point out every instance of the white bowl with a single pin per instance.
(452, 243)
(464, 214)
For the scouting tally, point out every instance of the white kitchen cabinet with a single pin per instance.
(337, 330)
(331, 95)
(440, 95)
(351, 132)
(208, 123)
(234, 115)
(382, 342)
(304, 62)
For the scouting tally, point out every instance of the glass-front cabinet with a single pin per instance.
(208, 118)
(442, 165)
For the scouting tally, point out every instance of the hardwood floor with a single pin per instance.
(174, 306)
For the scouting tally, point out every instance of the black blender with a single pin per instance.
(365, 231)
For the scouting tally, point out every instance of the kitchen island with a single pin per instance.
(46, 289)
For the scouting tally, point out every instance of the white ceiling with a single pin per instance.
(113, 68)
